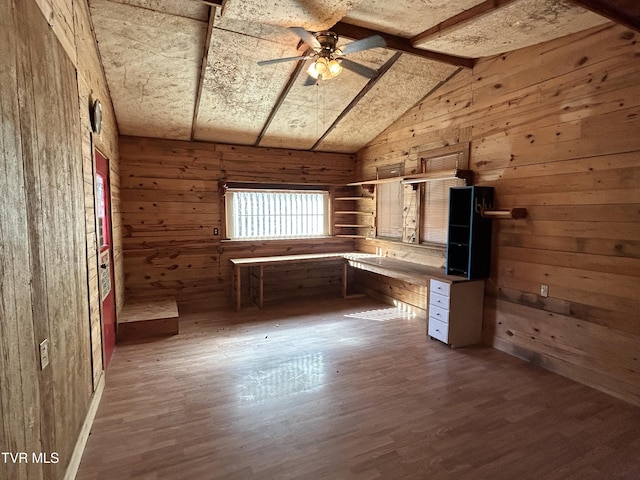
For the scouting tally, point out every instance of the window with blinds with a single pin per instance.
(389, 203)
(434, 202)
(273, 214)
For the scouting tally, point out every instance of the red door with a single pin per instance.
(105, 254)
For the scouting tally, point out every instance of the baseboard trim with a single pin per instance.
(76, 457)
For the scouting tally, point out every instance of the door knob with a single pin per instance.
(104, 265)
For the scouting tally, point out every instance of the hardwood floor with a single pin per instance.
(302, 391)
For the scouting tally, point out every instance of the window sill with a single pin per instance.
(282, 240)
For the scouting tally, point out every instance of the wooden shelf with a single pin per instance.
(353, 212)
(348, 217)
(440, 175)
(420, 178)
(375, 182)
(353, 198)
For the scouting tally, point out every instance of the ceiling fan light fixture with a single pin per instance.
(335, 68)
(328, 57)
(324, 68)
(319, 68)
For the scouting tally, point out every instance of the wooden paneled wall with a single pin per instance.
(171, 202)
(48, 264)
(554, 128)
(43, 260)
(59, 14)
(92, 85)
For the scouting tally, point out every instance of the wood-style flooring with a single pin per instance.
(302, 391)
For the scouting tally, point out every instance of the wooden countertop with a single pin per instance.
(391, 267)
(404, 270)
(276, 259)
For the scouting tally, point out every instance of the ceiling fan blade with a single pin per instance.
(310, 81)
(364, 44)
(280, 60)
(307, 37)
(358, 68)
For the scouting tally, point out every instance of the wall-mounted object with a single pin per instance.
(441, 175)
(95, 112)
(417, 178)
(353, 212)
(516, 213)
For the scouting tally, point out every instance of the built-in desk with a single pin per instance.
(411, 272)
(455, 303)
(256, 272)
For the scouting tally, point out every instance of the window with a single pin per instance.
(276, 213)
(434, 194)
(389, 203)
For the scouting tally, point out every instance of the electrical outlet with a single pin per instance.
(544, 291)
(44, 354)
(216, 231)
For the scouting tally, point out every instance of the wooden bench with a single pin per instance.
(144, 318)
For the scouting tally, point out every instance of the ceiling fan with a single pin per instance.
(328, 58)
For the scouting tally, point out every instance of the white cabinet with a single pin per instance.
(455, 312)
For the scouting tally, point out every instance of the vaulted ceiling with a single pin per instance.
(187, 69)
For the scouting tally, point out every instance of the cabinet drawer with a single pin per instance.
(438, 330)
(436, 286)
(439, 300)
(439, 313)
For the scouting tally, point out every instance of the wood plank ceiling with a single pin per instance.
(187, 69)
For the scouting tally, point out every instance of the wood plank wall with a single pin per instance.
(172, 201)
(60, 17)
(43, 260)
(92, 85)
(554, 128)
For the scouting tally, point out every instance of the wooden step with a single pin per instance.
(148, 318)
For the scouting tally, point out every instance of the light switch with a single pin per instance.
(44, 354)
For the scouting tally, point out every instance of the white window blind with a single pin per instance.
(434, 205)
(389, 200)
(276, 214)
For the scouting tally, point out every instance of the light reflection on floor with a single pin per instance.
(300, 374)
(382, 314)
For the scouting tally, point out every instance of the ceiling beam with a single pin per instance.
(283, 95)
(203, 70)
(213, 3)
(456, 21)
(399, 44)
(370, 84)
(624, 12)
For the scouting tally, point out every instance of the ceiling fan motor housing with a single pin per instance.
(327, 41)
